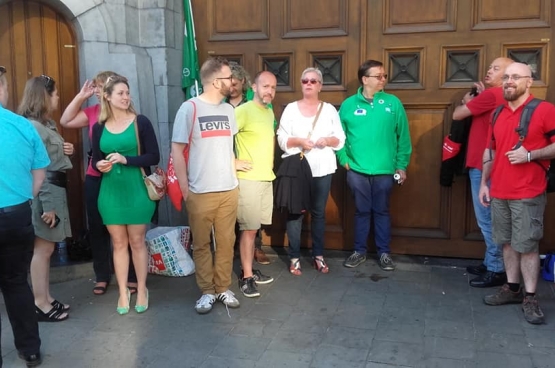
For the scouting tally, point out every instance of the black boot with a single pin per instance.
(489, 279)
(477, 270)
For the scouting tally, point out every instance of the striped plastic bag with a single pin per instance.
(168, 251)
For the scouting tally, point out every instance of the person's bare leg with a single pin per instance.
(120, 242)
(530, 268)
(512, 264)
(140, 259)
(40, 266)
(246, 246)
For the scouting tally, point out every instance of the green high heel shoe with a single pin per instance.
(124, 310)
(142, 308)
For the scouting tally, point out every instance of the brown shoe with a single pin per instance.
(532, 312)
(261, 257)
(504, 296)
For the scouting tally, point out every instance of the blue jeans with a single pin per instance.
(371, 194)
(320, 191)
(493, 258)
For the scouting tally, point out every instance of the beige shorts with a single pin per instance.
(255, 204)
(518, 222)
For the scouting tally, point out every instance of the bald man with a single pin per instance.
(254, 149)
(491, 272)
(517, 194)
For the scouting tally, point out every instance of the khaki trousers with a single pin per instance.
(219, 209)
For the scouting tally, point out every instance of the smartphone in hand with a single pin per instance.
(56, 220)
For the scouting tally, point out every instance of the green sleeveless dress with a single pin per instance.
(123, 199)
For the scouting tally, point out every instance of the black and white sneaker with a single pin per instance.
(248, 287)
(228, 298)
(260, 278)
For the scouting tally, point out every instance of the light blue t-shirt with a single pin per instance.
(21, 150)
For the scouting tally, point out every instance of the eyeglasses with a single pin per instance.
(2, 70)
(230, 78)
(48, 81)
(311, 81)
(379, 77)
(514, 77)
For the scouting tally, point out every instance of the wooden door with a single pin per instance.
(433, 54)
(287, 37)
(36, 40)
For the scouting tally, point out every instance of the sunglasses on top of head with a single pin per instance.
(115, 79)
(2, 70)
(311, 81)
(48, 81)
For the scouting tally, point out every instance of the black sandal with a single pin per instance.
(53, 315)
(100, 290)
(59, 305)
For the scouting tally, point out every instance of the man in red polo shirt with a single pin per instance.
(517, 195)
(491, 272)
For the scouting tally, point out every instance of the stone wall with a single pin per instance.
(142, 40)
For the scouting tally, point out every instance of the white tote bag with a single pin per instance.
(168, 251)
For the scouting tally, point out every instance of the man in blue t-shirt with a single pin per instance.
(23, 159)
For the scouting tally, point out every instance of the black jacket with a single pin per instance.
(459, 132)
(292, 186)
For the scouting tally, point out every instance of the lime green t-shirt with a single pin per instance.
(254, 140)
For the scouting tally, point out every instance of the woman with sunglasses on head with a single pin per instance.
(99, 237)
(122, 143)
(49, 207)
(312, 127)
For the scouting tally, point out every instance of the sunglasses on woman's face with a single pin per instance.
(311, 81)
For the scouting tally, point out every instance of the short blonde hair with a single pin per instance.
(313, 70)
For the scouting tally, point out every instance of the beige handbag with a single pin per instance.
(156, 182)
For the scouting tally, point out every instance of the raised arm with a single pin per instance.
(73, 116)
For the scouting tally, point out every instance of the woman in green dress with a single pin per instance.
(123, 201)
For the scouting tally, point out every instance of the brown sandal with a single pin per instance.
(295, 267)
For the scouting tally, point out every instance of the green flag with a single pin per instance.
(190, 77)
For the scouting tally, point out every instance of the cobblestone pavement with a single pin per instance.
(421, 315)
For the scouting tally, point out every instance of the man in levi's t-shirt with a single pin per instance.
(492, 271)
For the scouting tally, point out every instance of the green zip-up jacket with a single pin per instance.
(377, 134)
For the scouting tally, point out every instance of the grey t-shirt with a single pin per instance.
(211, 148)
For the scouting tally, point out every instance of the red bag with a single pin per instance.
(173, 189)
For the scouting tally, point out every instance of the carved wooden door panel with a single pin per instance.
(432, 53)
(286, 37)
(36, 40)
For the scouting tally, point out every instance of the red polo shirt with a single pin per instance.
(481, 108)
(519, 181)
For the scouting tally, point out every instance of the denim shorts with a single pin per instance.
(518, 222)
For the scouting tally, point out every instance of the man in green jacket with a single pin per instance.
(377, 147)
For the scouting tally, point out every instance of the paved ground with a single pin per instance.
(421, 315)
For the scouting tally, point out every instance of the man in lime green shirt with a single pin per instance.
(254, 149)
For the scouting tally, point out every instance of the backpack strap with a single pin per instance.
(525, 118)
(494, 117)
